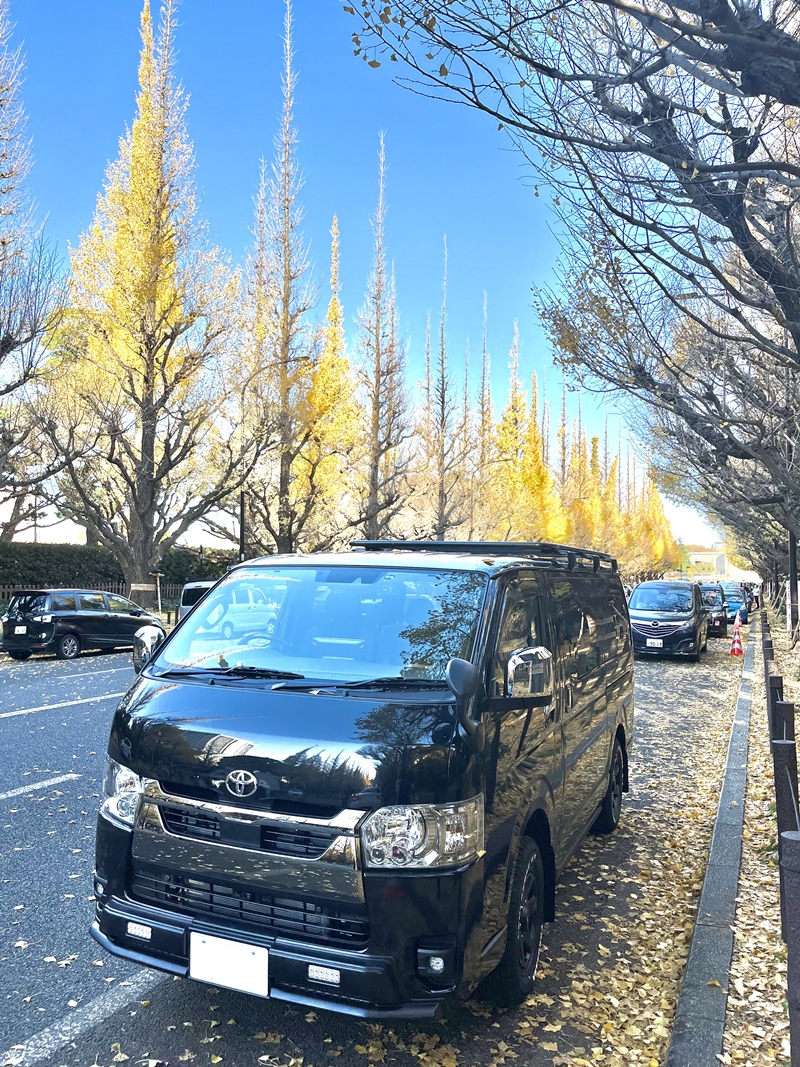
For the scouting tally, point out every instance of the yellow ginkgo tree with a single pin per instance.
(147, 402)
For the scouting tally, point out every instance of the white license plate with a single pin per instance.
(655, 642)
(20, 629)
(232, 964)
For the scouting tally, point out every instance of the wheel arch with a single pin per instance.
(620, 736)
(538, 828)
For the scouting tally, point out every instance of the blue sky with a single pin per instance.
(450, 170)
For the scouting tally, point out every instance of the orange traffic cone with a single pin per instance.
(736, 643)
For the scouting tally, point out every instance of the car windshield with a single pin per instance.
(336, 623)
(661, 598)
(27, 604)
(712, 598)
(734, 596)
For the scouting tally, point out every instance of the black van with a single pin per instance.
(669, 618)
(66, 621)
(366, 809)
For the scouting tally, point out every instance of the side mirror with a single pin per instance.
(145, 643)
(464, 681)
(530, 675)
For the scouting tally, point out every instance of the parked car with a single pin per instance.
(248, 609)
(737, 601)
(191, 594)
(714, 599)
(367, 808)
(68, 621)
(668, 618)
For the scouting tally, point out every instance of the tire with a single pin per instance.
(227, 631)
(68, 647)
(512, 981)
(20, 653)
(608, 819)
(695, 656)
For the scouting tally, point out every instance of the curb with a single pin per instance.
(699, 1024)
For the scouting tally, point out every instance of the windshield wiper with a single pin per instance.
(244, 671)
(371, 683)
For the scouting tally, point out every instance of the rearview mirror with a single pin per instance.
(145, 643)
(464, 681)
(530, 675)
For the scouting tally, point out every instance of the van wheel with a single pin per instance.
(68, 647)
(227, 631)
(20, 653)
(513, 979)
(608, 819)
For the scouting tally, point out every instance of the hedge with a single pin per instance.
(23, 563)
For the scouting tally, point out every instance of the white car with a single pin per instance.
(249, 610)
(191, 594)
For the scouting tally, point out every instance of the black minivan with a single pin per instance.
(66, 621)
(366, 808)
(669, 618)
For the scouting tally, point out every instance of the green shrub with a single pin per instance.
(25, 564)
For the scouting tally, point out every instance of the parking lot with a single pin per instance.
(608, 975)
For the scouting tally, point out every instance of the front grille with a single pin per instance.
(658, 629)
(187, 823)
(300, 920)
(276, 838)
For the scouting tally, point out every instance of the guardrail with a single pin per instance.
(781, 723)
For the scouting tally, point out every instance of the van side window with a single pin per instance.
(62, 602)
(520, 627)
(569, 617)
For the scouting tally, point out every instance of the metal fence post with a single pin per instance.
(790, 886)
(774, 694)
(782, 725)
(784, 763)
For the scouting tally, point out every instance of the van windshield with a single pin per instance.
(660, 598)
(332, 623)
(712, 598)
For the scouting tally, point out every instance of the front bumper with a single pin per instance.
(677, 644)
(379, 978)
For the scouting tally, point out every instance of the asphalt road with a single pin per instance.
(65, 1002)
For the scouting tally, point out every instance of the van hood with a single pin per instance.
(310, 754)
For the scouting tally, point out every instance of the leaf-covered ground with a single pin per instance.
(757, 1025)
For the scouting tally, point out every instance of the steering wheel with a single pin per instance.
(269, 638)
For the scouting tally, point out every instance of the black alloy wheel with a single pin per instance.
(608, 819)
(68, 647)
(20, 653)
(512, 981)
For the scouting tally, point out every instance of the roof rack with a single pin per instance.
(567, 557)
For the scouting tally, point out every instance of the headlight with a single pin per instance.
(123, 789)
(687, 625)
(424, 835)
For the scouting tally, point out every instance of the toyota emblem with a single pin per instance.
(241, 783)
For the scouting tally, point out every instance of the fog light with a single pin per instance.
(324, 974)
(99, 889)
(140, 930)
(436, 964)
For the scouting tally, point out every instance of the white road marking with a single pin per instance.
(63, 704)
(49, 1041)
(93, 674)
(36, 786)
